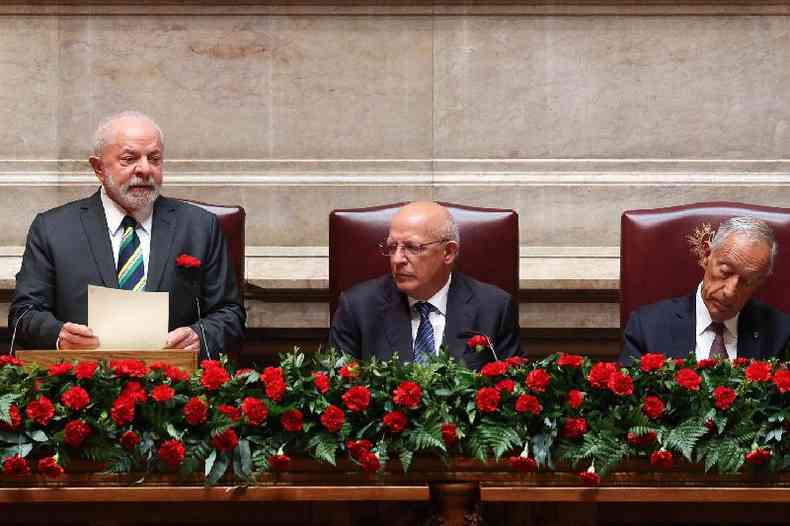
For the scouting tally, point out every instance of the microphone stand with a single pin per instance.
(16, 326)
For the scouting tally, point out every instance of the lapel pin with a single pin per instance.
(756, 335)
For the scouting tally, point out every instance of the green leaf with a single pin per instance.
(245, 458)
(38, 436)
(218, 469)
(685, 436)
(5, 406)
(210, 463)
(405, 457)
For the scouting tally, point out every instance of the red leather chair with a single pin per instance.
(489, 246)
(656, 262)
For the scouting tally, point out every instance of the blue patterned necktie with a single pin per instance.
(131, 271)
(424, 346)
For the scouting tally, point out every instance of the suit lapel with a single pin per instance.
(163, 228)
(395, 312)
(94, 223)
(748, 333)
(682, 330)
(461, 311)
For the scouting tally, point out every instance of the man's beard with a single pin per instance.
(138, 202)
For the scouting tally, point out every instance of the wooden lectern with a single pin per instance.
(187, 360)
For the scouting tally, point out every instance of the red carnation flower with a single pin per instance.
(40, 410)
(724, 397)
(85, 370)
(214, 377)
(163, 393)
(176, 374)
(661, 459)
(254, 410)
(523, 464)
(621, 384)
(350, 371)
(651, 362)
(570, 360)
(75, 433)
(575, 398)
(135, 392)
(758, 371)
(272, 374)
(395, 421)
(538, 380)
(369, 461)
(688, 379)
(487, 399)
(680, 362)
(234, 413)
(16, 466)
(528, 404)
(122, 411)
(505, 386)
(782, 380)
(171, 452)
(707, 363)
(75, 398)
(515, 361)
(478, 343)
(642, 440)
(187, 261)
(407, 394)
(292, 420)
(758, 456)
(129, 368)
(492, 369)
(59, 369)
(210, 364)
(653, 407)
(195, 411)
(357, 447)
(600, 373)
(333, 418)
(49, 467)
(449, 434)
(225, 441)
(589, 478)
(274, 380)
(15, 419)
(321, 381)
(357, 398)
(11, 361)
(279, 462)
(574, 428)
(129, 440)
(740, 361)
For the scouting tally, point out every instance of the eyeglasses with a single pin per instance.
(390, 249)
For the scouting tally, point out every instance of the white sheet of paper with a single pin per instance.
(123, 319)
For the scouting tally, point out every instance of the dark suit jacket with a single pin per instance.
(669, 327)
(373, 319)
(69, 247)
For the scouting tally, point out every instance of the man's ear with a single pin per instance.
(98, 167)
(450, 252)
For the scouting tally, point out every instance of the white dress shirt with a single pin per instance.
(114, 215)
(438, 315)
(705, 334)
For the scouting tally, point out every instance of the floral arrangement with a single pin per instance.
(564, 409)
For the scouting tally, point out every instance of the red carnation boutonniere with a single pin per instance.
(480, 343)
(187, 261)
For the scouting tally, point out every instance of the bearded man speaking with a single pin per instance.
(126, 236)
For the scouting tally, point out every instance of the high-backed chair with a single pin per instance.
(232, 221)
(489, 246)
(656, 262)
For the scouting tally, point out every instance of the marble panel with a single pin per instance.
(236, 87)
(287, 315)
(612, 87)
(569, 315)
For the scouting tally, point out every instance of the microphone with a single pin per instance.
(202, 329)
(27, 309)
(468, 333)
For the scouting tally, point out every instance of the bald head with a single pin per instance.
(425, 241)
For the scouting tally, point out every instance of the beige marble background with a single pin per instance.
(568, 119)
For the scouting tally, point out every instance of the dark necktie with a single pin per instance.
(131, 271)
(717, 348)
(424, 344)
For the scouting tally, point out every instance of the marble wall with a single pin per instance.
(294, 111)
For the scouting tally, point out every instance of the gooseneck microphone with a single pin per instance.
(27, 309)
(468, 333)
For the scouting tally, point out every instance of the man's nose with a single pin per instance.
(730, 287)
(143, 167)
(398, 257)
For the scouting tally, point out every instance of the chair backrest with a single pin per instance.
(489, 246)
(231, 219)
(655, 258)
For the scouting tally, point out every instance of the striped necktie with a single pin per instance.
(424, 346)
(717, 349)
(131, 271)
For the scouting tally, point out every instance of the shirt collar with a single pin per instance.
(438, 300)
(704, 320)
(115, 214)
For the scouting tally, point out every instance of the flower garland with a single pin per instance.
(592, 416)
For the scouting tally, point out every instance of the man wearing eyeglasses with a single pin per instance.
(423, 304)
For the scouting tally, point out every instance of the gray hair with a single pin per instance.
(750, 228)
(449, 230)
(101, 137)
